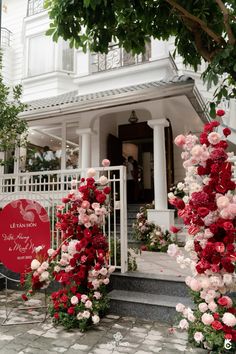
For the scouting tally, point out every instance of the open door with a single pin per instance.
(114, 150)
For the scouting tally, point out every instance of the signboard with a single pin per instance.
(24, 225)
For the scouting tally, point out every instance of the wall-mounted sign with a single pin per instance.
(24, 225)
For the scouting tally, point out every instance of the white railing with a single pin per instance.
(49, 187)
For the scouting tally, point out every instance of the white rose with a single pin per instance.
(35, 264)
(180, 307)
(84, 298)
(91, 172)
(103, 271)
(86, 314)
(74, 300)
(50, 252)
(183, 324)
(95, 319)
(45, 265)
(44, 276)
(57, 269)
(88, 304)
(103, 180)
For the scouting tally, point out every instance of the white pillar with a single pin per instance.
(85, 147)
(160, 215)
(63, 146)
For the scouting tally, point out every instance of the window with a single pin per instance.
(41, 55)
(67, 57)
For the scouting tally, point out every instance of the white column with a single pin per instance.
(63, 146)
(160, 215)
(85, 147)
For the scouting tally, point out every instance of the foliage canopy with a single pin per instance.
(203, 29)
(11, 126)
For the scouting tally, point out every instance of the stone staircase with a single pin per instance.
(148, 296)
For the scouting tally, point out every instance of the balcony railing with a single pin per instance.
(117, 58)
(5, 37)
(34, 7)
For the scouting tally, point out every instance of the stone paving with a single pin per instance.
(113, 335)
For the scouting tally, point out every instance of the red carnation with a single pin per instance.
(216, 316)
(220, 113)
(217, 325)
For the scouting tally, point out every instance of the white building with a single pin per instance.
(79, 104)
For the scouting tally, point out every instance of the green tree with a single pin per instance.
(11, 126)
(203, 29)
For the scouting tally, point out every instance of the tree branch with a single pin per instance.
(226, 21)
(218, 39)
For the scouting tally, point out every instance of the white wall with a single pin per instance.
(12, 19)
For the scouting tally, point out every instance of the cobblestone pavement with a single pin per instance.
(113, 335)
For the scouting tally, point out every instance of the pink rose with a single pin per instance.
(88, 304)
(207, 319)
(183, 324)
(214, 138)
(195, 285)
(85, 204)
(229, 319)
(180, 307)
(180, 140)
(222, 202)
(203, 307)
(198, 337)
(74, 300)
(105, 163)
(212, 306)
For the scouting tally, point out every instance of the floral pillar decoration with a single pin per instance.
(80, 264)
(209, 212)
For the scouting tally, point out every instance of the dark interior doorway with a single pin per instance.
(137, 140)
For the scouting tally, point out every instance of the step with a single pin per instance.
(149, 283)
(145, 305)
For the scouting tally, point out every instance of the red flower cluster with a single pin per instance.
(210, 213)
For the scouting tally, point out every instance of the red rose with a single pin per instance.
(143, 248)
(223, 301)
(216, 316)
(175, 229)
(202, 211)
(65, 200)
(217, 325)
(71, 310)
(220, 113)
(24, 297)
(228, 336)
(101, 198)
(228, 225)
(64, 298)
(193, 230)
(180, 204)
(56, 316)
(226, 131)
(223, 144)
(107, 190)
